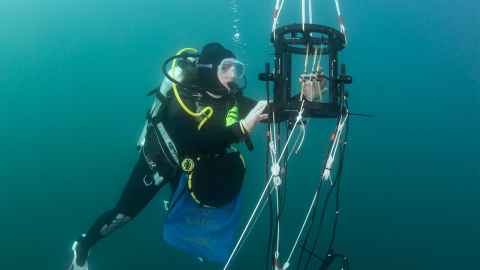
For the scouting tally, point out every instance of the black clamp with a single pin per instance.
(346, 79)
(266, 77)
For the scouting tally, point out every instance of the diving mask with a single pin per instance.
(231, 70)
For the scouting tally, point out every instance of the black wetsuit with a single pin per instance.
(140, 189)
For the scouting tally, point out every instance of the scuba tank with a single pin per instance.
(160, 94)
(154, 142)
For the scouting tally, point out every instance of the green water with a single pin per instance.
(73, 75)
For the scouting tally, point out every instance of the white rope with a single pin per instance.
(287, 263)
(272, 151)
(302, 88)
(273, 145)
(337, 5)
(330, 161)
(319, 61)
(314, 59)
(273, 133)
(327, 175)
(320, 54)
(299, 142)
(240, 239)
(276, 15)
(340, 19)
(310, 11)
(306, 58)
(257, 206)
(257, 217)
(316, 70)
(299, 118)
(305, 64)
(303, 15)
(302, 139)
(278, 223)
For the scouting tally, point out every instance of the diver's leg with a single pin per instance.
(138, 192)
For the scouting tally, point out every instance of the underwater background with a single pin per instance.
(73, 79)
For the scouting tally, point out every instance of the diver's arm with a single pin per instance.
(224, 136)
(219, 137)
(212, 136)
(245, 104)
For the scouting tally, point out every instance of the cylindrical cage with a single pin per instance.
(316, 41)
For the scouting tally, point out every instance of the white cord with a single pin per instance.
(240, 239)
(257, 206)
(327, 175)
(337, 6)
(254, 222)
(276, 15)
(299, 142)
(331, 158)
(340, 19)
(273, 146)
(306, 58)
(278, 223)
(314, 59)
(303, 15)
(299, 118)
(302, 138)
(274, 137)
(320, 54)
(305, 64)
(287, 263)
(310, 11)
(275, 162)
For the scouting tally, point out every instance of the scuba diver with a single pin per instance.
(198, 113)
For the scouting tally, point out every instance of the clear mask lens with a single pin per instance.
(231, 70)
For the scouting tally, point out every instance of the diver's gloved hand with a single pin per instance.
(254, 116)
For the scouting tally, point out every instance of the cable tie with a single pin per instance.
(275, 169)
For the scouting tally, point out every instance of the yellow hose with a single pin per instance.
(206, 112)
